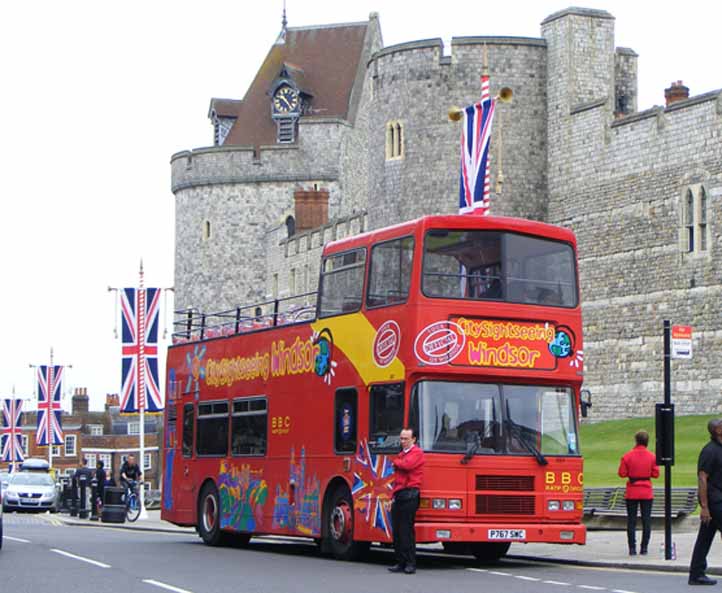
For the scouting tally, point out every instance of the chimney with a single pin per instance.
(311, 208)
(676, 92)
(81, 401)
(112, 401)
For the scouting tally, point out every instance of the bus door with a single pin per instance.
(184, 473)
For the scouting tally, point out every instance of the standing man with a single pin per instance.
(639, 466)
(709, 490)
(409, 473)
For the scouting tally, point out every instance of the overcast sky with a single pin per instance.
(98, 95)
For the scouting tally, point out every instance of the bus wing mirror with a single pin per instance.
(585, 401)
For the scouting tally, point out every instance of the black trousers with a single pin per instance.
(645, 508)
(705, 535)
(403, 513)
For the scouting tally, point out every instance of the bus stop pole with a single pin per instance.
(667, 463)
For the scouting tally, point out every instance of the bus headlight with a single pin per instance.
(438, 503)
(454, 504)
(552, 505)
(567, 505)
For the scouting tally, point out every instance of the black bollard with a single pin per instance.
(94, 499)
(83, 507)
(74, 497)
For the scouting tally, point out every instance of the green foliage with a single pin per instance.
(604, 443)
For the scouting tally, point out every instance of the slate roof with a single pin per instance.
(323, 61)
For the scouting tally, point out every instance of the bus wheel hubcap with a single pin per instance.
(341, 522)
(209, 516)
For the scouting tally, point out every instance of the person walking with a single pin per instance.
(709, 491)
(409, 473)
(100, 479)
(639, 466)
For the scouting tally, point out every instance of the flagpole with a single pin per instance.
(141, 387)
(51, 390)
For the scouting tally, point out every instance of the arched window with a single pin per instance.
(695, 228)
(206, 230)
(394, 140)
(291, 226)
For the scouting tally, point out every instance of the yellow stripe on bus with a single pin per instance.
(354, 336)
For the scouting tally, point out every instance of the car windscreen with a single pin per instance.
(31, 480)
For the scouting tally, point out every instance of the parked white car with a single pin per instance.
(31, 491)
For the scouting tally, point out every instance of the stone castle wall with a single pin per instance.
(414, 83)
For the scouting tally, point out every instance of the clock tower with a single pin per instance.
(287, 103)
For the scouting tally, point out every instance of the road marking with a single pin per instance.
(164, 586)
(478, 569)
(621, 591)
(557, 583)
(592, 587)
(501, 574)
(523, 578)
(17, 539)
(81, 558)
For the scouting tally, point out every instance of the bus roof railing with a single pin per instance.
(192, 325)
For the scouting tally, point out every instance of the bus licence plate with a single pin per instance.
(515, 534)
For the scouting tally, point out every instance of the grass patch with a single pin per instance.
(604, 443)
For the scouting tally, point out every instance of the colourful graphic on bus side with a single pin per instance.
(373, 480)
(243, 492)
(297, 508)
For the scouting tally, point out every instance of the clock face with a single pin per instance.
(285, 100)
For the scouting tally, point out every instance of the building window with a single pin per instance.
(286, 130)
(24, 439)
(56, 451)
(70, 443)
(96, 430)
(92, 459)
(107, 460)
(146, 462)
(206, 230)
(695, 229)
(133, 427)
(292, 282)
(394, 140)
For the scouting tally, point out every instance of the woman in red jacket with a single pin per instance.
(639, 467)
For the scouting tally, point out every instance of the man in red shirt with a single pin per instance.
(639, 465)
(409, 472)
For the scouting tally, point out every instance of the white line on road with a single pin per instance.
(478, 569)
(501, 574)
(164, 586)
(621, 591)
(523, 578)
(17, 539)
(557, 583)
(592, 587)
(81, 558)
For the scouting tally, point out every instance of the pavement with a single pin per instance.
(606, 544)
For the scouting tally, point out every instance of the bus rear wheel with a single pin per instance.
(209, 516)
(339, 522)
(489, 552)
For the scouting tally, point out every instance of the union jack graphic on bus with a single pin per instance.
(50, 382)
(140, 386)
(474, 184)
(12, 441)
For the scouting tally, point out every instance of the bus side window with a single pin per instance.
(345, 421)
(188, 422)
(386, 418)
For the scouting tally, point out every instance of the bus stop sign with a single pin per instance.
(682, 341)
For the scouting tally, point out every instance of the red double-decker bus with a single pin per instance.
(283, 419)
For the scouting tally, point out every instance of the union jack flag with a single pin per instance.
(139, 388)
(474, 184)
(50, 430)
(12, 442)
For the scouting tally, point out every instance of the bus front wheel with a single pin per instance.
(339, 522)
(209, 515)
(489, 552)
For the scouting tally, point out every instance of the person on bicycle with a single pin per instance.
(130, 473)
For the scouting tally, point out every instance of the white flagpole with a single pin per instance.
(140, 314)
(48, 419)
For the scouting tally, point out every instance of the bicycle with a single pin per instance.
(132, 502)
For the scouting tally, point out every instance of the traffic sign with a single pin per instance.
(682, 341)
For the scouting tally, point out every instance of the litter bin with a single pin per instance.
(113, 505)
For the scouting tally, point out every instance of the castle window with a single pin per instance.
(695, 229)
(206, 230)
(286, 130)
(394, 140)
(291, 226)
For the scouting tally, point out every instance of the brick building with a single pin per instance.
(104, 435)
(338, 134)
